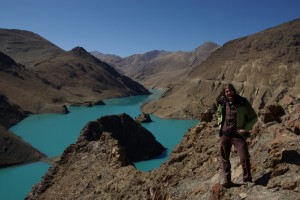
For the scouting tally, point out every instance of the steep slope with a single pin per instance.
(99, 166)
(263, 66)
(161, 68)
(86, 77)
(27, 90)
(108, 58)
(26, 47)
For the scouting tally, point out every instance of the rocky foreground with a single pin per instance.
(99, 165)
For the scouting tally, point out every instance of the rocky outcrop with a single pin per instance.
(143, 118)
(98, 166)
(101, 157)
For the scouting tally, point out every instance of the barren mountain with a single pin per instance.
(108, 58)
(263, 67)
(26, 47)
(26, 89)
(83, 75)
(160, 68)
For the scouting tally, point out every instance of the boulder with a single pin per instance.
(271, 113)
(143, 118)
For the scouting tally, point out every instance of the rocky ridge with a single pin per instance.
(192, 171)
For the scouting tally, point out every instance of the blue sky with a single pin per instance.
(126, 27)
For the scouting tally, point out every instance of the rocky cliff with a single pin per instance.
(99, 165)
(264, 67)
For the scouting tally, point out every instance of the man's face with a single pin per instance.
(229, 94)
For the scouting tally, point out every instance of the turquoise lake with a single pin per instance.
(52, 133)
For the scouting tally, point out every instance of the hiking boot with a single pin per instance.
(227, 184)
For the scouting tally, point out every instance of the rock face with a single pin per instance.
(102, 156)
(159, 68)
(263, 67)
(98, 166)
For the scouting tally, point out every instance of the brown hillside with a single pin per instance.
(263, 66)
(26, 89)
(86, 77)
(26, 47)
(161, 68)
(58, 77)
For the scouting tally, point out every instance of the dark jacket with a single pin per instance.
(246, 116)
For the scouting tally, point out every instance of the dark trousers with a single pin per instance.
(241, 147)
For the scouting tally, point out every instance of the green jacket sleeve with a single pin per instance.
(219, 114)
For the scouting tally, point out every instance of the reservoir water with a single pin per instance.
(52, 133)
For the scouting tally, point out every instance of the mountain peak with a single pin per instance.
(79, 51)
(153, 54)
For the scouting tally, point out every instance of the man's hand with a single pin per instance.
(241, 131)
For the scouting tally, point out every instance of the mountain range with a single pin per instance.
(37, 77)
(159, 69)
(263, 67)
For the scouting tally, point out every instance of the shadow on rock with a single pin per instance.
(291, 157)
(264, 179)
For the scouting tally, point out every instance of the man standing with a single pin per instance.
(236, 118)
